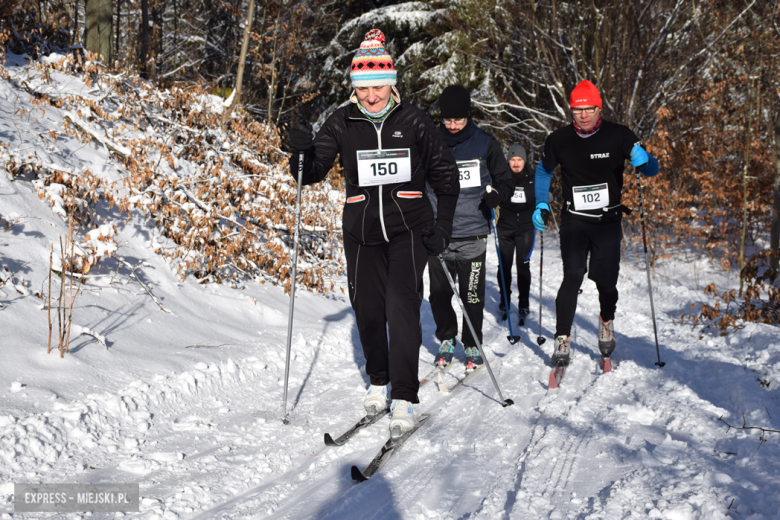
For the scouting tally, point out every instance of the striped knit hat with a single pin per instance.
(372, 66)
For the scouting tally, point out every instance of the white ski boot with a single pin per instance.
(606, 337)
(375, 400)
(403, 419)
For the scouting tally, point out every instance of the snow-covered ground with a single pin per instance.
(189, 403)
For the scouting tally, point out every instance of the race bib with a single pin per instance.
(519, 196)
(377, 167)
(469, 174)
(591, 197)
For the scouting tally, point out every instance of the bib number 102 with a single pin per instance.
(381, 168)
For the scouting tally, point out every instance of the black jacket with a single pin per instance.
(516, 215)
(375, 214)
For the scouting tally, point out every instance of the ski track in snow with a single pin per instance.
(200, 428)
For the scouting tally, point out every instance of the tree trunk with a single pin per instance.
(745, 169)
(774, 236)
(118, 25)
(272, 82)
(100, 29)
(156, 34)
(241, 61)
(144, 36)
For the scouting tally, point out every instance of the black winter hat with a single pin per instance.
(455, 102)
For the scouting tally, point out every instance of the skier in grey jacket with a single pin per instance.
(481, 163)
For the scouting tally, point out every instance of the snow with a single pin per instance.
(189, 403)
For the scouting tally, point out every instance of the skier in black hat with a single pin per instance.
(481, 164)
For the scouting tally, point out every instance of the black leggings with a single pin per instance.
(566, 302)
(520, 241)
(470, 277)
(578, 239)
(386, 290)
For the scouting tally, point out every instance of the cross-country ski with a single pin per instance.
(387, 451)
(368, 420)
(364, 422)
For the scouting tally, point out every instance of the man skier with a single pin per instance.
(592, 153)
(516, 232)
(482, 164)
(389, 150)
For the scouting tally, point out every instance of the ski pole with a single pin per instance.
(504, 402)
(292, 284)
(647, 265)
(555, 222)
(512, 339)
(540, 339)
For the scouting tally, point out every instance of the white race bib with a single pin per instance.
(469, 174)
(519, 196)
(591, 197)
(377, 167)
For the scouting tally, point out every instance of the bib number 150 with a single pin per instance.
(390, 168)
(378, 167)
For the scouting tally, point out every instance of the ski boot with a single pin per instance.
(523, 312)
(403, 418)
(473, 358)
(606, 337)
(502, 307)
(562, 353)
(375, 400)
(446, 351)
(606, 343)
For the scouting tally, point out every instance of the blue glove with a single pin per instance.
(639, 156)
(541, 216)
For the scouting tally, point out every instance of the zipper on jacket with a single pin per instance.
(379, 140)
(381, 186)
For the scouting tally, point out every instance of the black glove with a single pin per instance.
(492, 198)
(300, 139)
(435, 239)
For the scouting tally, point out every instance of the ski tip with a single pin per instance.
(552, 384)
(513, 339)
(329, 440)
(507, 402)
(357, 475)
(607, 364)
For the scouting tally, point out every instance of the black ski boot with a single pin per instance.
(523, 312)
(502, 307)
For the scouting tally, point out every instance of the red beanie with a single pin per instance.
(585, 94)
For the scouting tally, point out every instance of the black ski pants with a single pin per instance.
(578, 239)
(518, 243)
(386, 290)
(466, 263)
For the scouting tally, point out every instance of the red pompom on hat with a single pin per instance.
(585, 94)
